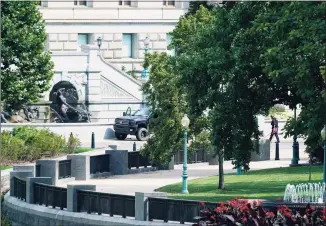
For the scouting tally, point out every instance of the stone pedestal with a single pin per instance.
(212, 159)
(20, 174)
(30, 188)
(72, 195)
(80, 166)
(141, 204)
(118, 161)
(49, 168)
(264, 151)
(29, 167)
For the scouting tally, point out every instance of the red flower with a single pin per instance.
(324, 210)
(324, 217)
(313, 208)
(270, 214)
(260, 202)
(202, 203)
(212, 218)
(219, 210)
(244, 220)
(255, 203)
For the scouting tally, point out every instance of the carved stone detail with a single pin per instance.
(112, 91)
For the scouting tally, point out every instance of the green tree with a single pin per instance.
(296, 50)
(167, 105)
(25, 64)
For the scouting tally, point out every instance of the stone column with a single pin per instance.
(49, 168)
(29, 167)
(80, 166)
(30, 186)
(113, 147)
(72, 195)
(118, 161)
(20, 174)
(141, 204)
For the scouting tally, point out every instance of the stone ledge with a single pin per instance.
(35, 215)
(142, 170)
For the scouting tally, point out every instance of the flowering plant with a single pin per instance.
(243, 213)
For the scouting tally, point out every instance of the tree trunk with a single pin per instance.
(220, 170)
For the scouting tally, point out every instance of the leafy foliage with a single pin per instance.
(167, 104)
(28, 143)
(26, 68)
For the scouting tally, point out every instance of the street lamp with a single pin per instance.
(99, 42)
(295, 145)
(323, 135)
(144, 73)
(185, 123)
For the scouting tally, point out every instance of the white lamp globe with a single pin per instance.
(147, 41)
(185, 121)
(323, 133)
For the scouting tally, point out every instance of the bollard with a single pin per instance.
(134, 147)
(239, 171)
(93, 141)
(277, 151)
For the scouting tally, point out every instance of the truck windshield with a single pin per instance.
(141, 112)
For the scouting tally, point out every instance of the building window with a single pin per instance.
(83, 39)
(170, 52)
(169, 3)
(125, 3)
(78, 2)
(127, 45)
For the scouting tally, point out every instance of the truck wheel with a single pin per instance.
(120, 136)
(142, 134)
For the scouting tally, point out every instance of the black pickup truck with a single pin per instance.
(133, 124)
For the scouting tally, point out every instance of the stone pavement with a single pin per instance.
(148, 182)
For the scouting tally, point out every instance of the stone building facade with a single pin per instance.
(103, 79)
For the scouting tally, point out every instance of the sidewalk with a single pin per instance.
(148, 182)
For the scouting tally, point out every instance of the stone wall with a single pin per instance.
(24, 214)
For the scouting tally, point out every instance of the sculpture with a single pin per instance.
(31, 112)
(63, 112)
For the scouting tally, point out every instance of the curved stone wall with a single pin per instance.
(23, 214)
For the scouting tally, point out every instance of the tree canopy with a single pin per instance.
(237, 61)
(25, 64)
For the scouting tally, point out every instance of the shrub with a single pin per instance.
(45, 142)
(38, 142)
(24, 133)
(241, 212)
(72, 145)
(12, 148)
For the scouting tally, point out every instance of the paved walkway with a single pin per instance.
(148, 182)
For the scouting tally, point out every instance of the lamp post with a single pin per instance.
(323, 135)
(295, 145)
(144, 73)
(99, 43)
(185, 123)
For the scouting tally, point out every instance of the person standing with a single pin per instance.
(274, 124)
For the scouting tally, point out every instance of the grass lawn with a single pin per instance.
(266, 184)
(79, 150)
(5, 167)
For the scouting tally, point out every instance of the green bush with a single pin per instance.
(72, 145)
(38, 142)
(25, 133)
(12, 148)
(27, 144)
(45, 142)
